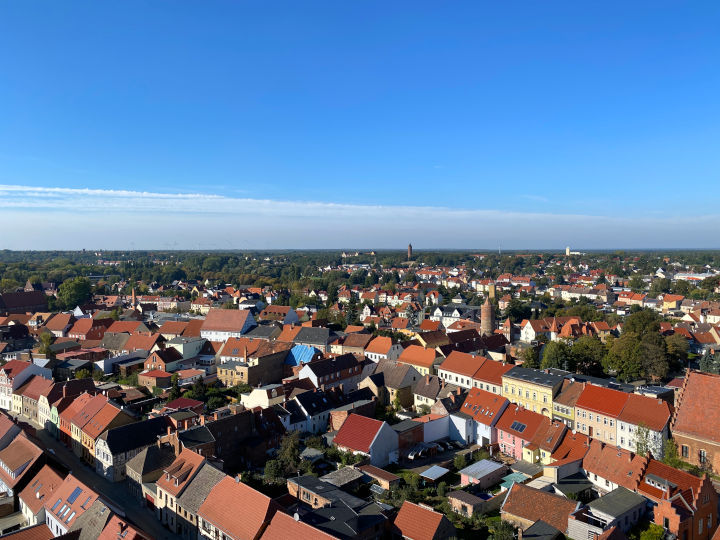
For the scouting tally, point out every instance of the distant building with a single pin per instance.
(409, 252)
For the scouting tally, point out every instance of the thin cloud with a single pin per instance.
(72, 218)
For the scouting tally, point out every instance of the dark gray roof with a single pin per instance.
(313, 336)
(535, 376)
(91, 522)
(327, 490)
(263, 331)
(114, 341)
(353, 405)
(199, 488)
(405, 425)
(617, 502)
(314, 402)
(542, 531)
(135, 435)
(464, 496)
(195, 436)
(531, 469)
(342, 477)
(326, 366)
(342, 522)
(152, 458)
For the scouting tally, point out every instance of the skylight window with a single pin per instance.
(55, 505)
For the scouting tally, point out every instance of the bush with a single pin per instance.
(459, 461)
(442, 487)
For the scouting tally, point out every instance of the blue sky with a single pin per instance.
(360, 124)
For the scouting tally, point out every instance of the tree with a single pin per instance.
(637, 283)
(82, 374)
(459, 461)
(289, 452)
(642, 440)
(653, 532)
(588, 353)
(531, 358)
(9, 285)
(503, 530)
(642, 322)
(557, 354)
(677, 350)
(199, 389)
(215, 402)
(709, 363)
(273, 470)
(174, 387)
(670, 454)
(624, 357)
(74, 292)
(46, 339)
(98, 374)
(654, 356)
(442, 486)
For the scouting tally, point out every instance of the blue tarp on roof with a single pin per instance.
(301, 354)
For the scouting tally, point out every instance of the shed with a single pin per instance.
(434, 473)
(484, 473)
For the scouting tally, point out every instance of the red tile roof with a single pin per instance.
(20, 453)
(119, 529)
(532, 504)
(358, 433)
(36, 532)
(462, 363)
(619, 466)
(515, 413)
(418, 523)
(180, 472)
(226, 320)
(492, 372)
(653, 413)
(69, 502)
(13, 367)
(41, 488)
(682, 480)
(697, 415)
(283, 527)
(257, 509)
(483, 406)
(379, 345)
(183, 403)
(416, 355)
(603, 400)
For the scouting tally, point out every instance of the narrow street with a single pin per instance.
(115, 493)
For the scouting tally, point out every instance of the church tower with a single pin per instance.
(487, 318)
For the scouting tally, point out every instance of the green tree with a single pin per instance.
(642, 440)
(273, 470)
(670, 454)
(637, 283)
(557, 354)
(588, 353)
(174, 387)
(216, 401)
(459, 461)
(9, 285)
(46, 339)
(709, 363)
(74, 292)
(677, 350)
(82, 374)
(98, 374)
(653, 532)
(624, 357)
(531, 358)
(503, 530)
(642, 322)
(289, 452)
(442, 487)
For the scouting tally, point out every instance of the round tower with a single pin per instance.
(409, 252)
(487, 318)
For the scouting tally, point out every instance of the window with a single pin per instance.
(703, 456)
(700, 526)
(685, 450)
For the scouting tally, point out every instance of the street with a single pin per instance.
(115, 493)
